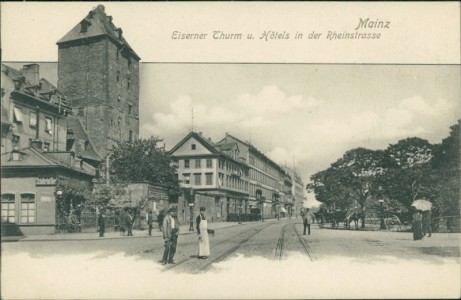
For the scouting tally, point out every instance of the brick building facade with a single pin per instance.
(99, 73)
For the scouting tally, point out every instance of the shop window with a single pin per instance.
(17, 115)
(8, 208)
(33, 119)
(186, 163)
(27, 208)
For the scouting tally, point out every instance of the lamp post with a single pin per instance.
(383, 226)
(191, 208)
(240, 213)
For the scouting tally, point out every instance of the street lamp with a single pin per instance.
(383, 226)
(261, 202)
(191, 208)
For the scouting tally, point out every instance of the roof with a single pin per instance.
(213, 148)
(199, 138)
(99, 24)
(79, 133)
(45, 92)
(34, 158)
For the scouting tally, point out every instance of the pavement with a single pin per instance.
(183, 230)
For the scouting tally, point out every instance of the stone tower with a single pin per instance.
(99, 73)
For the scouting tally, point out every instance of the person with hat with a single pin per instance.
(307, 220)
(170, 236)
(202, 231)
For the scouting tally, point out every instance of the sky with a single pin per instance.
(303, 115)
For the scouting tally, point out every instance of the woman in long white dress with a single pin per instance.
(202, 231)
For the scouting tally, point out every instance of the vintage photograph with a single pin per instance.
(178, 151)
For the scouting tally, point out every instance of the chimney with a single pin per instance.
(31, 73)
(101, 7)
(119, 32)
(37, 144)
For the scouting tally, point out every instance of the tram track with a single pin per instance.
(208, 264)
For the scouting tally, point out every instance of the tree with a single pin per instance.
(409, 175)
(144, 160)
(447, 166)
(357, 170)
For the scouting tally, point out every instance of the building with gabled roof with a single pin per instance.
(215, 171)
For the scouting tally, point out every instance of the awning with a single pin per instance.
(282, 209)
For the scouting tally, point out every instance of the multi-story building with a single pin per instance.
(32, 109)
(99, 72)
(266, 178)
(36, 154)
(297, 191)
(215, 170)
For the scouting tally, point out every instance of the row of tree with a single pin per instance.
(411, 169)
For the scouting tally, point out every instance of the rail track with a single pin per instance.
(280, 248)
(208, 264)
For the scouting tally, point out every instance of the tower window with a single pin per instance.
(17, 115)
(130, 107)
(118, 76)
(128, 82)
(130, 136)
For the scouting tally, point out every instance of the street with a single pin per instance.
(255, 260)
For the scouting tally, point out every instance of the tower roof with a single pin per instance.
(97, 23)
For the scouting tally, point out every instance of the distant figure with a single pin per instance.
(150, 220)
(427, 223)
(202, 232)
(307, 220)
(417, 227)
(130, 221)
(160, 221)
(125, 221)
(170, 236)
(101, 223)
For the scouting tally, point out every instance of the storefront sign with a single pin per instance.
(45, 181)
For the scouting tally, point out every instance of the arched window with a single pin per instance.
(8, 208)
(27, 208)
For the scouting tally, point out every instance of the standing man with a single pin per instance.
(170, 236)
(101, 223)
(150, 220)
(160, 221)
(202, 231)
(307, 220)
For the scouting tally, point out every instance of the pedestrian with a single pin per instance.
(170, 236)
(130, 221)
(150, 220)
(427, 223)
(417, 227)
(101, 223)
(202, 232)
(160, 221)
(307, 220)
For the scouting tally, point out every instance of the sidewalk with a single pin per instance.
(183, 230)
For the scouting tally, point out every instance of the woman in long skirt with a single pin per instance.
(417, 225)
(202, 231)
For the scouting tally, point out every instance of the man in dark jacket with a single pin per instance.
(150, 220)
(170, 236)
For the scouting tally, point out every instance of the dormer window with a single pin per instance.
(17, 115)
(84, 26)
(193, 147)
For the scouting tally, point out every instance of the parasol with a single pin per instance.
(422, 205)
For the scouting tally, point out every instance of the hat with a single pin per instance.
(202, 208)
